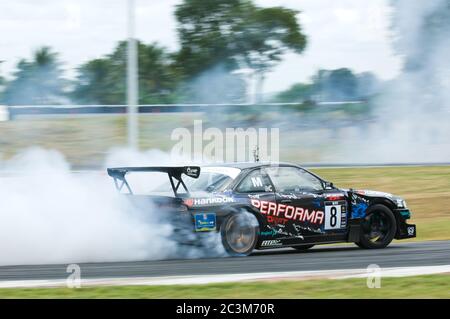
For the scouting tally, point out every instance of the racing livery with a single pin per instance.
(265, 205)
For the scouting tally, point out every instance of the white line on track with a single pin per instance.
(208, 279)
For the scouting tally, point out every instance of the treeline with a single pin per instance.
(217, 40)
(333, 85)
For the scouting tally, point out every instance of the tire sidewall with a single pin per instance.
(365, 242)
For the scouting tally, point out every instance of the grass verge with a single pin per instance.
(430, 286)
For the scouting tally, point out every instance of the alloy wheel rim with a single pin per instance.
(240, 236)
(376, 227)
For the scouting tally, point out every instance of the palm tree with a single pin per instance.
(38, 81)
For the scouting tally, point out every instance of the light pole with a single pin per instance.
(132, 79)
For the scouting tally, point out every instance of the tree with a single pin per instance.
(103, 81)
(265, 36)
(368, 85)
(38, 81)
(95, 85)
(298, 92)
(333, 85)
(213, 86)
(336, 85)
(236, 34)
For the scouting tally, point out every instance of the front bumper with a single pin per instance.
(404, 230)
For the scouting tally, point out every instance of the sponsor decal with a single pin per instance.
(188, 202)
(317, 202)
(277, 220)
(411, 230)
(267, 243)
(359, 210)
(276, 232)
(288, 234)
(287, 212)
(257, 182)
(359, 206)
(205, 222)
(288, 196)
(192, 171)
(299, 228)
(208, 201)
(268, 233)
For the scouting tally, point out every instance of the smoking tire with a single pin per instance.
(378, 228)
(239, 234)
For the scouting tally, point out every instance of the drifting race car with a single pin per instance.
(263, 205)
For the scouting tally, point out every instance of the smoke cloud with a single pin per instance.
(412, 115)
(49, 214)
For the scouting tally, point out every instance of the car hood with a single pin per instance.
(374, 194)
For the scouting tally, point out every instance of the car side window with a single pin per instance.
(293, 179)
(255, 182)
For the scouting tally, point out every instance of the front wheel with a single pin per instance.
(239, 234)
(378, 228)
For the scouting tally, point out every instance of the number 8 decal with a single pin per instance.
(333, 219)
(332, 216)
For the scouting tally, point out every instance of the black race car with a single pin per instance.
(263, 205)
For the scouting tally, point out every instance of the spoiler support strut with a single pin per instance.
(118, 174)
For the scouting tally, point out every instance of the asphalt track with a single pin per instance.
(398, 254)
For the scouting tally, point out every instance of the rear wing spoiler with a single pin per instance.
(174, 173)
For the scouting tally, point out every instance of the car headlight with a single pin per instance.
(401, 203)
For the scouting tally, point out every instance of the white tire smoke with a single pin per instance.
(49, 215)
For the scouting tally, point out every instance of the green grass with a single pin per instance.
(74, 136)
(431, 286)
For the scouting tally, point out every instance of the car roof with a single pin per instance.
(249, 165)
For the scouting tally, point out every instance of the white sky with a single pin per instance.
(344, 33)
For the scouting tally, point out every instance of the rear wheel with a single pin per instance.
(239, 234)
(302, 247)
(378, 228)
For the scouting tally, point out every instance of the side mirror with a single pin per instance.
(328, 185)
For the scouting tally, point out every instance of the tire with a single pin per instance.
(378, 228)
(239, 234)
(302, 247)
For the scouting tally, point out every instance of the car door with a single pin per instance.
(303, 202)
(257, 191)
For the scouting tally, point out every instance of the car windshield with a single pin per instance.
(211, 179)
